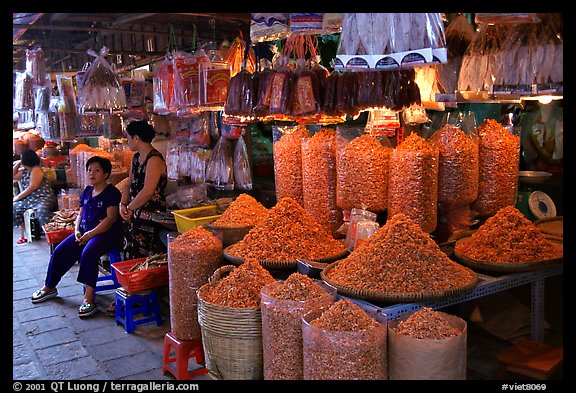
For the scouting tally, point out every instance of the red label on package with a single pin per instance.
(216, 85)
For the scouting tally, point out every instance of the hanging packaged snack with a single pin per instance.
(214, 79)
(186, 82)
(163, 86)
(242, 171)
(172, 157)
(67, 112)
(220, 168)
(240, 56)
(101, 88)
(241, 94)
(370, 89)
(346, 93)
(262, 79)
(199, 135)
(362, 167)
(319, 179)
(279, 94)
(330, 96)
(306, 89)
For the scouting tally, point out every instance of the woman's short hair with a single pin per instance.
(141, 128)
(104, 163)
(29, 158)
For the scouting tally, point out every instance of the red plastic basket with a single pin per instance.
(55, 237)
(142, 279)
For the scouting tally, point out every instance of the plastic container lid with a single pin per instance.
(541, 205)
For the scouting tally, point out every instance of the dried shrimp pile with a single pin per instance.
(345, 316)
(296, 287)
(287, 233)
(508, 236)
(243, 211)
(241, 288)
(400, 258)
(427, 324)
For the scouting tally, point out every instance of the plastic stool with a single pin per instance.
(129, 305)
(183, 350)
(114, 256)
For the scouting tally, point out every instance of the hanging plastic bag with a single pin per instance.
(36, 65)
(186, 82)
(220, 168)
(214, 81)
(23, 91)
(242, 172)
(102, 88)
(67, 112)
(163, 86)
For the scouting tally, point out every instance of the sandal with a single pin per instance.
(22, 240)
(111, 309)
(40, 296)
(87, 309)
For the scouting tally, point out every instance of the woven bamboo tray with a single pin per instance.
(510, 267)
(282, 264)
(396, 297)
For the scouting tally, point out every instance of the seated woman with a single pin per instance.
(97, 231)
(37, 193)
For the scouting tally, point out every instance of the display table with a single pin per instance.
(487, 285)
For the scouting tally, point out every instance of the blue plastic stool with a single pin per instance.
(114, 256)
(129, 305)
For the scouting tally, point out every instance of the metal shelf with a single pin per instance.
(487, 285)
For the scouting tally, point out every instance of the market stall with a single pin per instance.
(366, 167)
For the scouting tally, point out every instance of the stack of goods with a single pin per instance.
(205, 251)
(239, 217)
(283, 304)
(499, 162)
(344, 342)
(457, 174)
(62, 219)
(399, 262)
(287, 233)
(288, 164)
(508, 237)
(362, 166)
(427, 345)
(319, 179)
(413, 184)
(231, 322)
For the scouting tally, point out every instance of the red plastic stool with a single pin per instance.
(183, 350)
